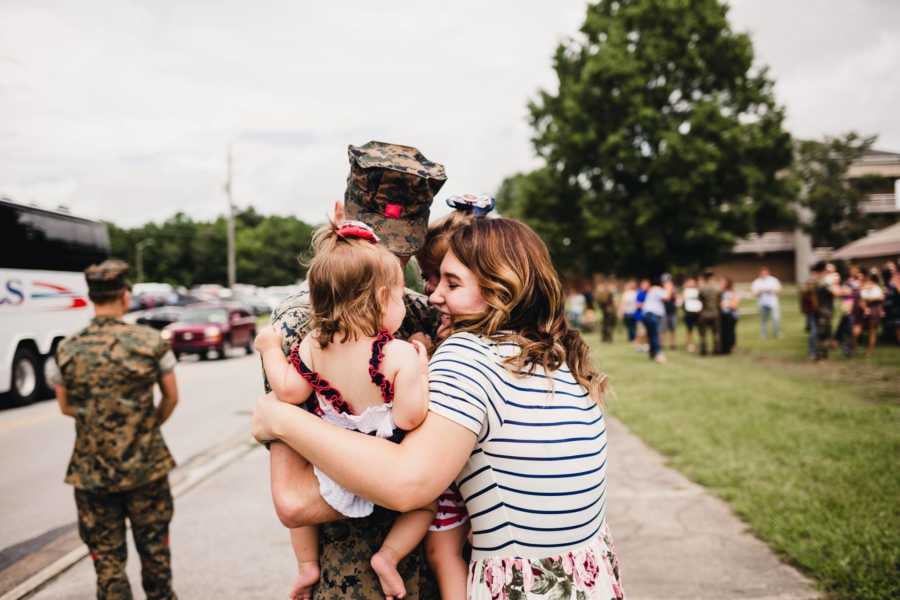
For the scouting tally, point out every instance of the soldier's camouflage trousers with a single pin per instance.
(101, 525)
(347, 546)
(609, 325)
(823, 333)
(708, 324)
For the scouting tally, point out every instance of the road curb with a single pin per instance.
(195, 471)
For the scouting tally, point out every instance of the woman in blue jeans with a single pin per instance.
(654, 311)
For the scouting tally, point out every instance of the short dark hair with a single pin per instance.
(101, 298)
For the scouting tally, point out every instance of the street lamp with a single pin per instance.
(231, 258)
(139, 256)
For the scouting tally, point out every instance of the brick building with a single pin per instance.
(789, 254)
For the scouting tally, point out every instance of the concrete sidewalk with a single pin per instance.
(675, 540)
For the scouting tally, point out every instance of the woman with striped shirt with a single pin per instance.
(514, 420)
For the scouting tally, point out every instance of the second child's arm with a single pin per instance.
(408, 363)
(286, 382)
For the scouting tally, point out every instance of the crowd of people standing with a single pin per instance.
(649, 309)
(846, 311)
(840, 312)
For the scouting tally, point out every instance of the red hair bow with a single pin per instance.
(357, 230)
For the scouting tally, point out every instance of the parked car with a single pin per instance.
(203, 328)
(257, 306)
(157, 318)
(151, 295)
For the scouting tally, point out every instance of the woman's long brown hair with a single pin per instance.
(525, 299)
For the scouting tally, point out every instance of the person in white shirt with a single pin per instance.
(766, 288)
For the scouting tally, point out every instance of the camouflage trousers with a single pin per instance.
(823, 333)
(608, 325)
(101, 525)
(708, 324)
(345, 548)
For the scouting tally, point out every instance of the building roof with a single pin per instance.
(879, 163)
(885, 242)
(770, 241)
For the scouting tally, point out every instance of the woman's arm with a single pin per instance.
(401, 477)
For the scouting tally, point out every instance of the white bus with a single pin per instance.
(43, 295)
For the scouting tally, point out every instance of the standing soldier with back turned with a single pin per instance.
(708, 322)
(104, 377)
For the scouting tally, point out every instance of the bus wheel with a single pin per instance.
(27, 380)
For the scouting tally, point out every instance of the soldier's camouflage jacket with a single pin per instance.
(109, 369)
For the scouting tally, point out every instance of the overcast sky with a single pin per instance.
(124, 109)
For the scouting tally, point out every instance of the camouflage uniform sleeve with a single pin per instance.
(52, 373)
(292, 319)
(420, 316)
(165, 358)
(60, 360)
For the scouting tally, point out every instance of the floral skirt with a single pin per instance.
(588, 573)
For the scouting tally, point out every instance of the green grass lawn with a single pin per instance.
(808, 454)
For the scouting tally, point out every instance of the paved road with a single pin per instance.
(36, 442)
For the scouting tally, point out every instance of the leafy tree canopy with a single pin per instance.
(182, 251)
(833, 202)
(662, 142)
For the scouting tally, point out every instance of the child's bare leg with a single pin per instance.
(305, 542)
(406, 533)
(444, 552)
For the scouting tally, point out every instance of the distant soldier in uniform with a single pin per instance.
(605, 299)
(104, 377)
(708, 320)
(390, 188)
(825, 286)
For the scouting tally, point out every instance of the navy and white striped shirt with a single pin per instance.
(535, 484)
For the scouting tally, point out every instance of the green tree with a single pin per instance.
(182, 251)
(662, 141)
(833, 201)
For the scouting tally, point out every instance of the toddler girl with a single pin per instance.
(356, 292)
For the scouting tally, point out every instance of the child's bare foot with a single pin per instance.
(384, 563)
(307, 578)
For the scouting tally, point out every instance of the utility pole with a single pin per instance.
(231, 260)
(139, 258)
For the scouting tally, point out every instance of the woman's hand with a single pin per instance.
(268, 338)
(264, 418)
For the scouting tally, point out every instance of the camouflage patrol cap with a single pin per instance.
(107, 280)
(391, 187)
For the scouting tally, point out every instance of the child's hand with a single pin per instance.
(420, 336)
(422, 354)
(268, 338)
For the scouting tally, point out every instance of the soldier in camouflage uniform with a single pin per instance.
(391, 188)
(605, 298)
(708, 320)
(824, 289)
(104, 377)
